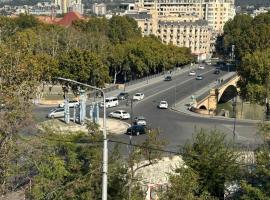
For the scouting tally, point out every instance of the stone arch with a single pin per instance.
(228, 93)
(203, 107)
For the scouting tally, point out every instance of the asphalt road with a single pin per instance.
(176, 127)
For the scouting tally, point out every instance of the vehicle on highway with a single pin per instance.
(138, 96)
(139, 120)
(120, 114)
(163, 105)
(136, 130)
(201, 67)
(168, 78)
(217, 71)
(71, 104)
(110, 102)
(57, 112)
(123, 96)
(199, 77)
(192, 73)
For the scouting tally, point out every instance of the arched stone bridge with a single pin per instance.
(207, 103)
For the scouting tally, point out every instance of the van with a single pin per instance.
(110, 102)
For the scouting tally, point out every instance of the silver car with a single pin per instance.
(140, 120)
(120, 114)
(71, 104)
(57, 112)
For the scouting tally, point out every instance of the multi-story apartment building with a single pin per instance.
(66, 6)
(189, 32)
(216, 12)
(99, 9)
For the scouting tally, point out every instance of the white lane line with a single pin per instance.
(173, 86)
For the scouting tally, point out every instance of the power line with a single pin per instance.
(112, 141)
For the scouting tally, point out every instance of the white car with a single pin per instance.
(120, 114)
(192, 73)
(57, 112)
(163, 104)
(138, 96)
(71, 104)
(140, 120)
(201, 67)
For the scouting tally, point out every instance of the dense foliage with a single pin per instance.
(94, 51)
(251, 38)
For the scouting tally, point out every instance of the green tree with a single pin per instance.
(123, 28)
(83, 66)
(213, 160)
(256, 184)
(255, 76)
(185, 184)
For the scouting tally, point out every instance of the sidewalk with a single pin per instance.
(182, 106)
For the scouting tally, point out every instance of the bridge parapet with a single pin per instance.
(208, 100)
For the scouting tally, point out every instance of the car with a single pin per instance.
(136, 130)
(140, 120)
(217, 71)
(71, 104)
(163, 104)
(110, 102)
(192, 73)
(57, 112)
(120, 114)
(199, 77)
(168, 78)
(201, 67)
(138, 96)
(123, 96)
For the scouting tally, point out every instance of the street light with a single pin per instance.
(105, 140)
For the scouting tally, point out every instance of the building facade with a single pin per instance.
(66, 6)
(99, 9)
(216, 12)
(184, 23)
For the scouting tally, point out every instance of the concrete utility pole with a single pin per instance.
(105, 140)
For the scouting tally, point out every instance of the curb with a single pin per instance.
(215, 117)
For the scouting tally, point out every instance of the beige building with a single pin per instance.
(69, 5)
(190, 32)
(216, 12)
(99, 9)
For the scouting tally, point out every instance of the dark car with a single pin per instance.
(217, 71)
(123, 95)
(168, 78)
(136, 130)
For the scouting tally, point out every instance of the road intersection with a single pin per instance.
(178, 127)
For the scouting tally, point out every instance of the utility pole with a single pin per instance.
(105, 140)
(234, 115)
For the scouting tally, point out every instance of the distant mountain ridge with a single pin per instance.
(252, 2)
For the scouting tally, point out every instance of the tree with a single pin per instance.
(213, 160)
(255, 76)
(83, 66)
(123, 28)
(185, 184)
(256, 184)
(149, 152)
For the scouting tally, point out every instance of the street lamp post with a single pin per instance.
(105, 140)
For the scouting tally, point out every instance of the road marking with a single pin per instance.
(173, 86)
